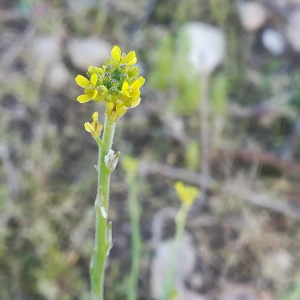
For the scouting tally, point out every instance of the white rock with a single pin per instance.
(58, 76)
(183, 264)
(293, 30)
(207, 46)
(273, 41)
(85, 52)
(277, 264)
(46, 49)
(48, 289)
(252, 14)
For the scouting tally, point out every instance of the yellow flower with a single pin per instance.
(187, 194)
(95, 127)
(132, 92)
(130, 165)
(90, 93)
(116, 54)
(129, 59)
(92, 70)
(115, 110)
(117, 82)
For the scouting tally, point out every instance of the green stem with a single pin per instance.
(136, 242)
(102, 227)
(180, 224)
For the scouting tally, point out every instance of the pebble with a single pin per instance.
(85, 52)
(58, 76)
(46, 49)
(183, 264)
(278, 264)
(207, 46)
(252, 14)
(273, 41)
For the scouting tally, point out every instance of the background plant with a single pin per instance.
(48, 182)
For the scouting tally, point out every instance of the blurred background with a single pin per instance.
(220, 110)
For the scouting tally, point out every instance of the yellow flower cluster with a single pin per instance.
(117, 83)
(187, 194)
(95, 127)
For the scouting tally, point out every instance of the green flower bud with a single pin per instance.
(102, 90)
(94, 70)
(123, 77)
(133, 71)
(113, 91)
(114, 83)
(109, 69)
(123, 68)
(109, 61)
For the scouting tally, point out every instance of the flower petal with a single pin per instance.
(88, 127)
(130, 56)
(125, 86)
(136, 85)
(109, 105)
(142, 80)
(95, 116)
(95, 93)
(135, 102)
(132, 62)
(82, 81)
(116, 53)
(94, 79)
(83, 98)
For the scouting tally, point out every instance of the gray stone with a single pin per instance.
(46, 49)
(85, 52)
(58, 76)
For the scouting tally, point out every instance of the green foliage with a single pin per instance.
(219, 95)
(172, 71)
(294, 294)
(192, 155)
(188, 10)
(162, 60)
(220, 10)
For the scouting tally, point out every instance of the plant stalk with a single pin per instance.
(180, 222)
(136, 242)
(102, 226)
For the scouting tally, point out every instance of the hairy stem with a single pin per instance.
(136, 243)
(102, 227)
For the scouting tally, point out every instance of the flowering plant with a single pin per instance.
(117, 83)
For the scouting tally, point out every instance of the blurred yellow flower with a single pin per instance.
(95, 127)
(187, 194)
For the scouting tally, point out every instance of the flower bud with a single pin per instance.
(133, 71)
